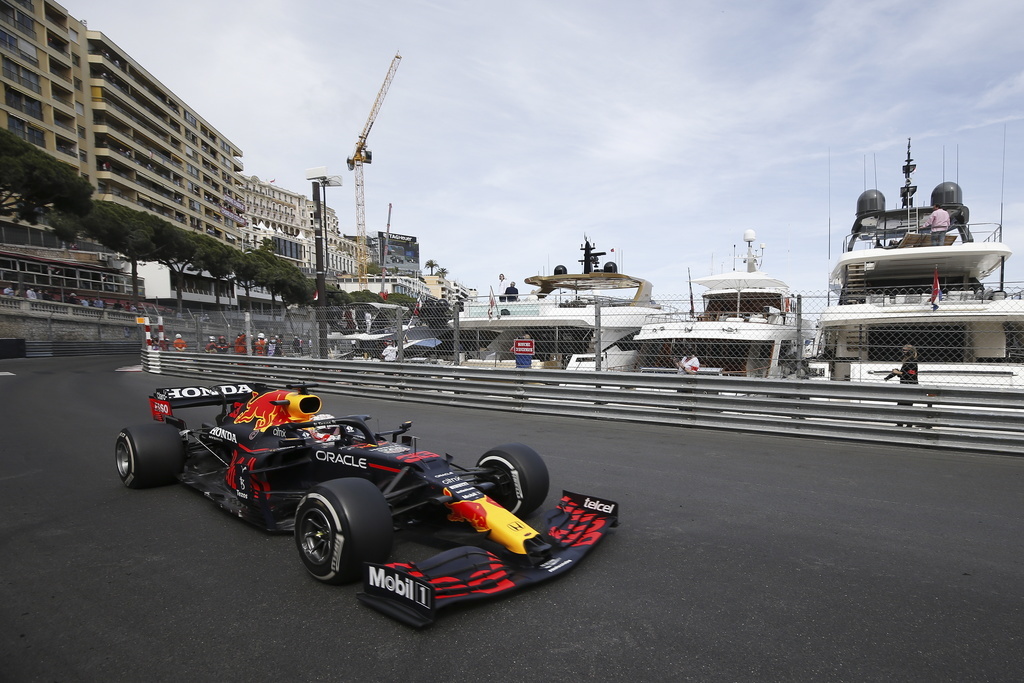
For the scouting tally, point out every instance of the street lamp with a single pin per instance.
(321, 181)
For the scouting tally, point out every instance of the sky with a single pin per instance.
(662, 129)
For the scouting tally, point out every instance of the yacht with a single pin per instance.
(361, 329)
(749, 326)
(579, 321)
(893, 286)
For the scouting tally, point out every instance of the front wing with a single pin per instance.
(414, 592)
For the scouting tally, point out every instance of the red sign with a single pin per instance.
(523, 346)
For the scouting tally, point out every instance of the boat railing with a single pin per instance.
(904, 236)
(903, 296)
(681, 317)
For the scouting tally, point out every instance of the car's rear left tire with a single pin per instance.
(149, 455)
(519, 475)
(339, 525)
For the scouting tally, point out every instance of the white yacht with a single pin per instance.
(362, 329)
(570, 317)
(892, 286)
(749, 326)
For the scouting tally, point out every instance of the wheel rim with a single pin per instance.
(316, 536)
(504, 490)
(124, 459)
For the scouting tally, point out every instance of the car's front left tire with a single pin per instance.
(339, 525)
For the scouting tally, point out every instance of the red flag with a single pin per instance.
(936, 290)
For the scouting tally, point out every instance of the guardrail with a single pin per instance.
(986, 420)
(41, 349)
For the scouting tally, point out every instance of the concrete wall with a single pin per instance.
(50, 321)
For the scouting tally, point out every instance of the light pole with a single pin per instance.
(321, 181)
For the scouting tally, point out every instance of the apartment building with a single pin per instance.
(76, 94)
(288, 218)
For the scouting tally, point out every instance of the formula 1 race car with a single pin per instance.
(273, 459)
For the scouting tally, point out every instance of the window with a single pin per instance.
(23, 103)
(189, 118)
(26, 131)
(25, 77)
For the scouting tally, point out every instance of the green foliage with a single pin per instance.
(32, 182)
(365, 295)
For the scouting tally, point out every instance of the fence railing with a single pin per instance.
(986, 420)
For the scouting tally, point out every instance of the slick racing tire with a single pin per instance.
(339, 525)
(149, 455)
(519, 475)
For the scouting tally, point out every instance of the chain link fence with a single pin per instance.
(971, 335)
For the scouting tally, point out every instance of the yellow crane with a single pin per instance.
(361, 156)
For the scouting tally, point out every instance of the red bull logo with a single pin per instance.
(276, 408)
(484, 514)
(472, 511)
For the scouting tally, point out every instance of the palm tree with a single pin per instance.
(431, 264)
(442, 272)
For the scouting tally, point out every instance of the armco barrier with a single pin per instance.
(38, 349)
(968, 419)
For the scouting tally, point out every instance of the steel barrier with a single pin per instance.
(42, 349)
(985, 420)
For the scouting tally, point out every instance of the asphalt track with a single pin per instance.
(739, 558)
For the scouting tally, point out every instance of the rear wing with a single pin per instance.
(164, 401)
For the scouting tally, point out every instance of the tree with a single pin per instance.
(216, 258)
(123, 230)
(442, 272)
(175, 249)
(431, 263)
(33, 183)
(246, 266)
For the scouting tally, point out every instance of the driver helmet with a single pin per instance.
(325, 432)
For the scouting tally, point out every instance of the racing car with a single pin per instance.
(272, 458)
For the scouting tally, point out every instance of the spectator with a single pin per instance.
(689, 364)
(31, 294)
(8, 291)
(390, 352)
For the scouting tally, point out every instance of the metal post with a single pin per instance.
(321, 276)
(248, 333)
(455, 333)
(597, 334)
(399, 334)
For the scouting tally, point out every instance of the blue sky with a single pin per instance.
(662, 129)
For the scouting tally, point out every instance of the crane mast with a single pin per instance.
(361, 156)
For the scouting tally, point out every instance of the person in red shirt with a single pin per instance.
(179, 343)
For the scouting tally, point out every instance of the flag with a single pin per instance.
(492, 306)
(936, 290)
(419, 302)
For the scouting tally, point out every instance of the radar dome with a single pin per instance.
(560, 270)
(749, 235)
(870, 201)
(610, 267)
(947, 194)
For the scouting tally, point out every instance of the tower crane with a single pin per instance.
(361, 156)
